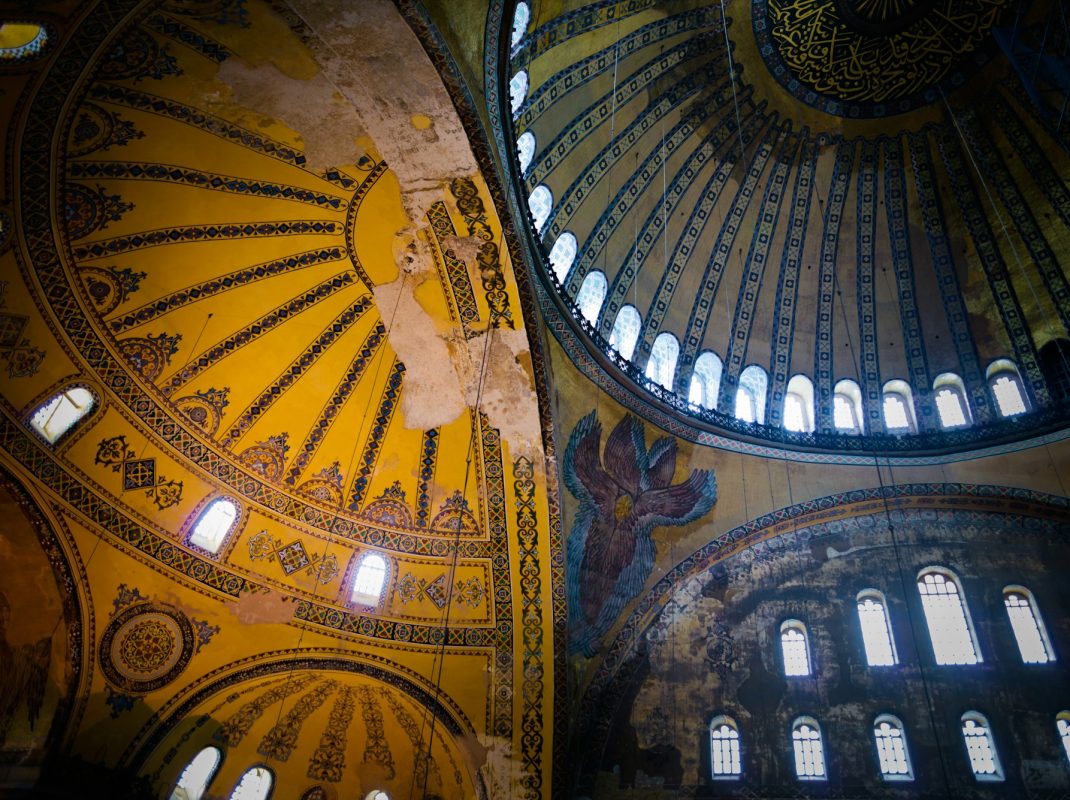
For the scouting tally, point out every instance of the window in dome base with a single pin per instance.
(661, 367)
(368, 584)
(195, 778)
(61, 412)
(214, 525)
(591, 295)
(705, 381)
(951, 406)
(255, 784)
(625, 331)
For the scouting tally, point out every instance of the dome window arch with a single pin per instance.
(808, 750)
(847, 407)
(750, 395)
(521, 18)
(257, 783)
(949, 393)
(876, 629)
(377, 794)
(591, 295)
(795, 648)
(215, 524)
(370, 578)
(661, 367)
(525, 151)
(21, 41)
(705, 380)
(799, 405)
(625, 333)
(518, 91)
(947, 617)
(1005, 383)
(897, 407)
(981, 747)
(726, 758)
(562, 254)
(194, 780)
(540, 203)
(893, 756)
(58, 415)
(1029, 630)
(1062, 727)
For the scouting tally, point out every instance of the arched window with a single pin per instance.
(898, 408)
(214, 524)
(947, 616)
(368, 584)
(799, 405)
(377, 794)
(562, 255)
(255, 784)
(750, 396)
(198, 773)
(951, 405)
(59, 413)
(1054, 358)
(625, 331)
(809, 752)
(1028, 627)
(20, 40)
(847, 407)
(541, 203)
(980, 747)
(705, 380)
(892, 753)
(518, 90)
(525, 150)
(1007, 388)
(521, 17)
(1062, 725)
(591, 295)
(794, 647)
(725, 760)
(661, 368)
(876, 631)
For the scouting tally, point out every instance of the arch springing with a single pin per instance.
(540, 203)
(726, 761)
(61, 412)
(705, 381)
(876, 630)
(661, 367)
(947, 617)
(256, 784)
(808, 749)
(214, 524)
(198, 773)
(625, 331)
(591, 295)
(892, 753)
(562, 255)
(1028, 626)
(980, 747)
(1007, 388)
(525, 150)
(795, 648)
(369, 581)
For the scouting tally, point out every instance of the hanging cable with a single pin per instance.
(732, 80)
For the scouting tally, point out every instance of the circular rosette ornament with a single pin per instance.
(145, 647)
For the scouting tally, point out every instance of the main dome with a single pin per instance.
(880, 267)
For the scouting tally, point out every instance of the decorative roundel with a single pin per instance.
(146, 647)
(874, 58)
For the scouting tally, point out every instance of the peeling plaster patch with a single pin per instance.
(313, 108)
(262, 607)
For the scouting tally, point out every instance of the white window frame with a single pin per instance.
(661, 366)
(754, 383)
(893, 722)
(979, 720)
(851, 395)
(563, 255)
(875, 596)
(1005, 368)
(797, 749)
(900, 390)
(705, 380)
(949, 382)
(722, 721)
(800, 390)
(625, 334)
(1038, 622)
(964, 606)
(798, 627)
(593, 284)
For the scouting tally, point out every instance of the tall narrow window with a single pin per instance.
(847, 407)
(525, 150)
(799, 405)
(368, 585)
(750, 396)
(809, 752)
(255, 784)
(1007, 388)
(625, 331)
(705, 381)
(951, 405)
(794, 647)
(661, 368)
(1028, 627)
(892, 753)
(213, 525)
(1062, 725)
(562, 255)
(591, 295)
(61, 412)
(518, 91)
(195, 778)
(541, 203)
(980, 747)
(947, 618)
(725, 760)
(521, 16)
(876, 632)
(898, 408)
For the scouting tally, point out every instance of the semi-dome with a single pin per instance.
(833, 224)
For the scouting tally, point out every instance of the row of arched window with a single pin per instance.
(256, 783)
(889, 740)
(947, 617)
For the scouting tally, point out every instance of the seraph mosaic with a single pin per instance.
(624, 494)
